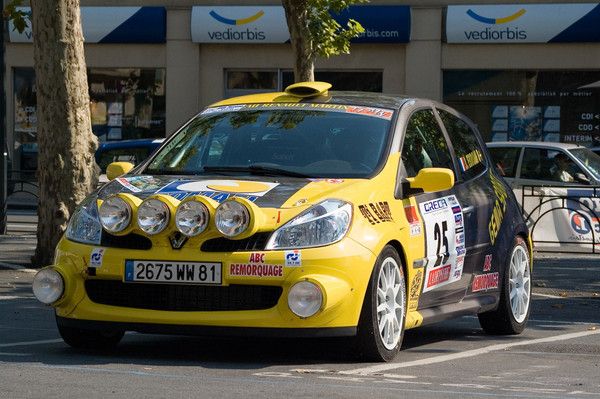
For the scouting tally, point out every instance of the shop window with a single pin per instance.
(125, 103)
(242, 82)
(534, 105)
(468, 152)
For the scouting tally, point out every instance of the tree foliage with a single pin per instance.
(315, 33)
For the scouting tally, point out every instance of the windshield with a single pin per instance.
(590, 160)
(343, 142)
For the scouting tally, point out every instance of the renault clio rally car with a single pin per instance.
(307, 213)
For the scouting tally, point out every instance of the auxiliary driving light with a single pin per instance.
(153, 216)
(305, 299)
(191, 218)
(115, 214)
(232, 218)
(48, 286)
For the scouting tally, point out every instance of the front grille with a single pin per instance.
(185, 298)
(256, 242)
(128, 241)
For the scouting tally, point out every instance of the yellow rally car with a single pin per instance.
(305, 213)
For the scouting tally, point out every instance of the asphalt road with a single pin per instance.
(558, 356)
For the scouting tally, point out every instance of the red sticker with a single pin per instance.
(484, 282)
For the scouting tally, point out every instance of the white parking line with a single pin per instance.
(45, 341)
(547, 295)
(470, 353)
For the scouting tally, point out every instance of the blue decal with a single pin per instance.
(129, 270)
(172, 189)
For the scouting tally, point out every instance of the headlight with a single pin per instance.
(153, 216)
(48, 286)
(305, 299)
(191, 218)
(84, 226)
(323, 224)
(115, 214)
(232, 218)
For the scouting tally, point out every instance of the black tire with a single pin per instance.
(503, 320)
(90, 339)
(370, 342)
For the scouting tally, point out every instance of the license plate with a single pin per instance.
(158, 271)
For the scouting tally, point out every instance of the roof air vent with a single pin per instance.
(308, 89)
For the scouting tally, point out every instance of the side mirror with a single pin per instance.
(117, 169)
(432, 179)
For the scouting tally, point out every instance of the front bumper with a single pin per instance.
(342, 271)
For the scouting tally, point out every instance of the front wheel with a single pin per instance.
(515, 298)
(381, 325)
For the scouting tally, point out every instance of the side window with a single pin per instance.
(548, 165)
(424, 144)
(469, 155)
(505, 159)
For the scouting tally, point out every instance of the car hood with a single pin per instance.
(264, 191)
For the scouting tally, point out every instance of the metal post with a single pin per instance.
(3, 147)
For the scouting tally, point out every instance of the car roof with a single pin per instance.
(534, 144)
(331, 97)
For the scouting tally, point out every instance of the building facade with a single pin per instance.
(520, 71)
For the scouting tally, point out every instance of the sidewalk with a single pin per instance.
(16, 251)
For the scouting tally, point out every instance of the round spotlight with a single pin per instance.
(115, 214)
(305, 299)
(232, 218)
(191, 218)
(48, 286)
(153, 216)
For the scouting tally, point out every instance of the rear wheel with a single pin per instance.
(381, 326)
(90, 339)
(515, 298)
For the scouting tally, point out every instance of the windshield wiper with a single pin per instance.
(255, 169)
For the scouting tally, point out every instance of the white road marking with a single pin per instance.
(25, 343)
(547, 295)
(14, 354)
(470, 353)
(11, 297)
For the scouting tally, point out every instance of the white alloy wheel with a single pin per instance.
(519, 284)
(391, 303)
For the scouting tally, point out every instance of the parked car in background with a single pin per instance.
(132, 151)
(595, 150)
(569, 173)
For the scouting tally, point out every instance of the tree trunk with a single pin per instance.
(66, 168)
(296, 14)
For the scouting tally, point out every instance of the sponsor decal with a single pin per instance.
(381, 113)
(376, 112)
(579, 224)
(293, 258)
(415, 286)
(255, 270)
(332, 181)
(138, 184)
(483, 282)
(471, 159)
(96, 257)
(438, 276)
(415, 229)
(226, 108)
(487, 263)
(257, 257)
(499, 208)
(218, 190)
(445, 241)
(434, 205)
(376, 213)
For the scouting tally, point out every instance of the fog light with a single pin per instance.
(305, 299)
(48, 286)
